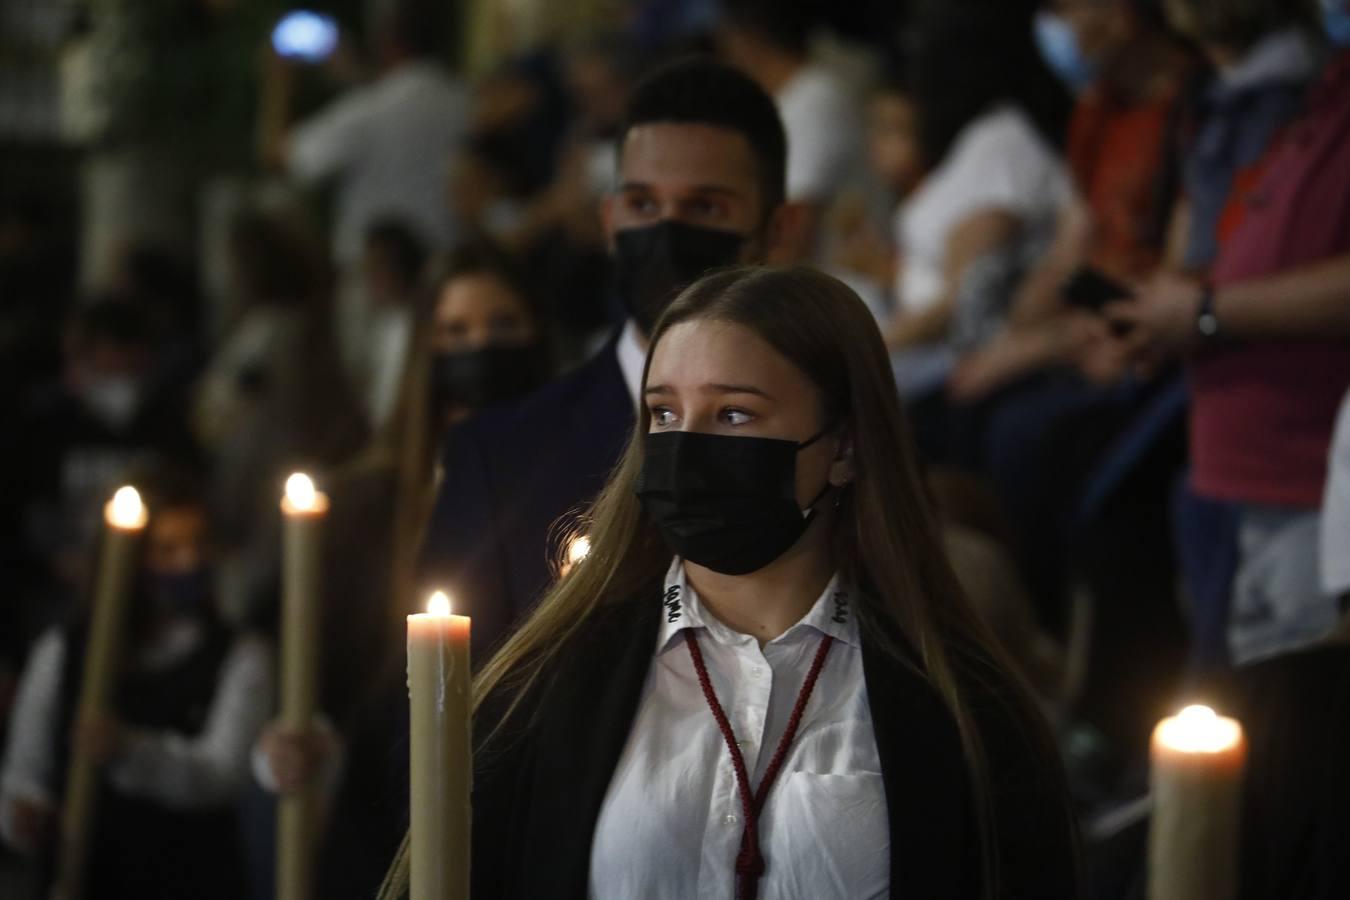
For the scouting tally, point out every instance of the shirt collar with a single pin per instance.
(631, 359)
(832, 613)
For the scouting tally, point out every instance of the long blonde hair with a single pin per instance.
(887, 538)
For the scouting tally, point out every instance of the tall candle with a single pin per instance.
(1198, 763)
(439, 691)
(303, 509)
(125, 518)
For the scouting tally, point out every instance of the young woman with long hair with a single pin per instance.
(764, 679)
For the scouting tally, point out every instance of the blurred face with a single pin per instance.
(176, 541)
(479, 310)
(893, 142)
(1101, 28)
(722, 378)
(698, 175)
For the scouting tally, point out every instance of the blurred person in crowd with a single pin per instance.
(477, 342)
(1294, 841)
(392, 267)
(895, 158)
(986, 205)
(771, 43)
(701, 184)
(173, 751)
(1130, 77)
(1265, 54)
(385, 146)
(385, 143)
(1264, 338)
(69, 443)
(273, 397)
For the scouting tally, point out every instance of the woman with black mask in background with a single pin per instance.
(476, 342)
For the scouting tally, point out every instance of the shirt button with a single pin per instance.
(757, 671)
(729, 820)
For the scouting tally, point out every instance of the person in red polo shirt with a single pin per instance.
(1268, 346)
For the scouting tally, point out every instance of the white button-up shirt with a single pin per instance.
(670, 827)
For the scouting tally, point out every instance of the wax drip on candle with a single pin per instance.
(1198, 729)
(126, 509)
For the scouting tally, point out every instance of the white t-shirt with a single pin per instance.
(998, 162)
(389, 145)
(824, 134)
(1335, 531)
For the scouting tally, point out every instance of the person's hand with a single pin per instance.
(296, 757)
(1099, 352)
(32, 822)
(100, 735)
(1158, 323)
(1003, 360)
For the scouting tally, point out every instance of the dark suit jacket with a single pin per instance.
(539, 783)
(510, 475)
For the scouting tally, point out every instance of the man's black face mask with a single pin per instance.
(652, 264)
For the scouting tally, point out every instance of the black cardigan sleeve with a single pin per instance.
(1036, 833)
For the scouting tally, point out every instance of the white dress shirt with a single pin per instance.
(181, 772)
(389, 145)
(670, 826)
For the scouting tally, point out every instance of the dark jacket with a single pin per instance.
(540, 781)
(511, 474)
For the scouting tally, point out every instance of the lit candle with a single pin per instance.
(304, 509)
(1198, 762)
(125, 518)
(579, 549)
(441, 775)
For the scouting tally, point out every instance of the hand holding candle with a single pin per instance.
(1198, 762)
(304, 509)
(125, 518)
(439, 691)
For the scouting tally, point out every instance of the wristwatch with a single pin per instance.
(1206, 320)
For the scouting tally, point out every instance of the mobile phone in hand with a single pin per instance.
(1090, 289)
(305, 36)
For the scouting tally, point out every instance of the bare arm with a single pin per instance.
(980, 234)
(1039, 296)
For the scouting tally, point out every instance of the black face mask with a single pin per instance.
(725, 503)
(486, 376)
(182, 593)
(654, 263)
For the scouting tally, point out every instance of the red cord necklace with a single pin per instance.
(749, 861)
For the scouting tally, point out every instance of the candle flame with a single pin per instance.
(1198, 729)
(579, 550)
(300, 492)
(126, 509)
(439, 604)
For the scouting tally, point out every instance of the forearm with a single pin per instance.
(915, 329)
(1312, 301)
